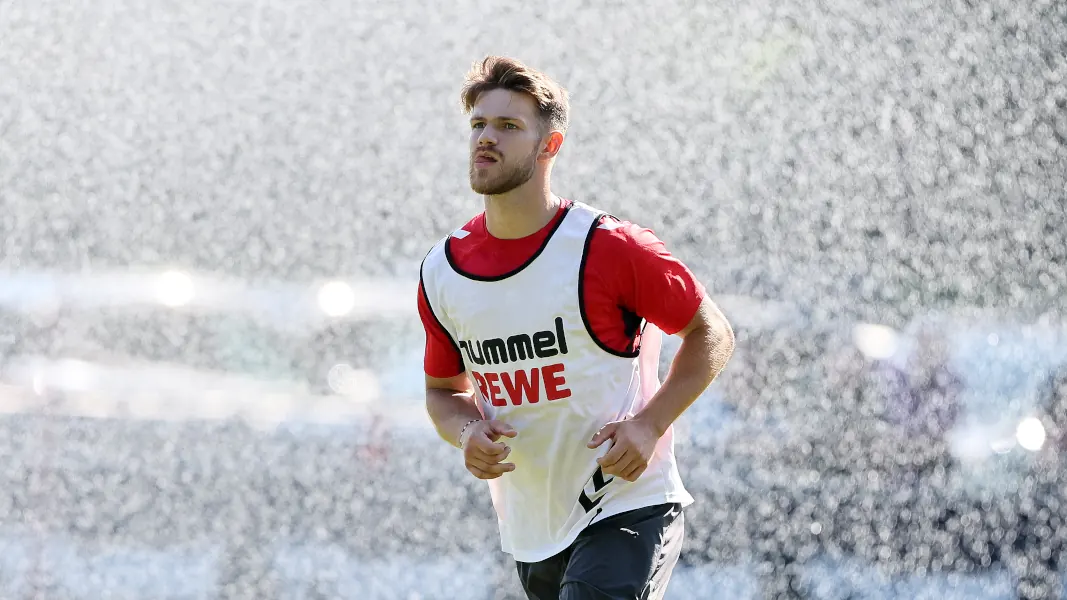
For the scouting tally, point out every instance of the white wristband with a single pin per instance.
(464, 431)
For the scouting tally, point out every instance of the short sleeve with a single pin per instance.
(441, 357)
(643, 275)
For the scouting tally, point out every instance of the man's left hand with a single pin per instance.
(633, 442)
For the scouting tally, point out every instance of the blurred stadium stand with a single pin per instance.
(211, 220)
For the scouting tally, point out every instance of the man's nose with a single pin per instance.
(487, 137)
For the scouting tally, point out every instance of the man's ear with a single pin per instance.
(552, 144)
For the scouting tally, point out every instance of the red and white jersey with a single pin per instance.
(525, 343)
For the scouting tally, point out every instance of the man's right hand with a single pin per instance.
(482, 452)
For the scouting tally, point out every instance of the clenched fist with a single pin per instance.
(482, 452)
(633, 443)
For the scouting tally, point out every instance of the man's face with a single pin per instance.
(505, 141)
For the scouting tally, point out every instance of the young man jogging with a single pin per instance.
(542, 318)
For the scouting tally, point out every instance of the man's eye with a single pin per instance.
(511, 126)
(477, 125)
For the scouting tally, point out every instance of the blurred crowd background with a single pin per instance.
(212, 216)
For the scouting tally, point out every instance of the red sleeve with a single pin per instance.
(644, 277)
(441, 358)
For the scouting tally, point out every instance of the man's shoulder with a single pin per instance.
(472, 226)
(607, 220)
(620, 234)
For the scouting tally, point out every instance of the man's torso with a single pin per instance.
(526, 345)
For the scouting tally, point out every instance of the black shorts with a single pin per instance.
(629, 556)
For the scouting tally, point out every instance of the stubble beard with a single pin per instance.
(502, 183)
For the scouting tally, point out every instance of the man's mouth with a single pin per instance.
(482, 159)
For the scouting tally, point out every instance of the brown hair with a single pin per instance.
(500, 72)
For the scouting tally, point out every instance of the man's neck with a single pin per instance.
(519, 213)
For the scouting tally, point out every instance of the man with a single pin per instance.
(540, 367)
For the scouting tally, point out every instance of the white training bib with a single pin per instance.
(528, 350)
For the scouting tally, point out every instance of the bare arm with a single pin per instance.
(450, 404)
(707, 345)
